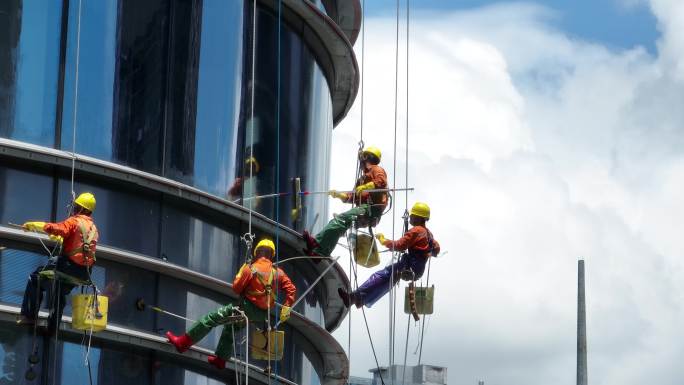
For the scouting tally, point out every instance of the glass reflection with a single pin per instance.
(126, 219)
(25, 195)
(96, 63)
(188, 240)
(15, 347)
(29, 42)
(219, 95)
(294, 143)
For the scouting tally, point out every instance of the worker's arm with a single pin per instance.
(286, 285)
(435, 248)
(62, 229)
(378, 177)
(403, 243)
(242, 279)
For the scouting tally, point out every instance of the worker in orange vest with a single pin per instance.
(78, 235)
(254, 284)
(371, 205)
(420, 246)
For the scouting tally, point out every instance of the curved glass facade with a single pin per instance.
(165, 87)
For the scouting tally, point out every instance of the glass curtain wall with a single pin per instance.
(29, 62)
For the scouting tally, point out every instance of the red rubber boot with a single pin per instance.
(218, 362)
(182, 343)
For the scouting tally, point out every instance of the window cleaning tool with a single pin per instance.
(303, 193)
(141, 306)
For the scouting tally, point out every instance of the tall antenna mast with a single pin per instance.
(581, 327)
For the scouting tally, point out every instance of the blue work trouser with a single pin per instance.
(377, 285)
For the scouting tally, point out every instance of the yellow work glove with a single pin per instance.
(285, 314)
(366, 186)
(337, 194)
(56, 238)
(34, 226)
(381, 238)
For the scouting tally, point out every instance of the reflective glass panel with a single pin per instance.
(107, 366)
(15, 268)
(15, 346)
(25, 194)
(140, 84)
(96, 63)
(126, 219)
(29, 57)
(189, 240)
(290, 133)
(219, 94)
(191, 302)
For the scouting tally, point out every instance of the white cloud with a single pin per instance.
(533, 149)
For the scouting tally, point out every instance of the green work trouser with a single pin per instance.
(221, 316)
(331, 233)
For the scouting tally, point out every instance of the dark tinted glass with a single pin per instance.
(96, 65)
(140, 83)
(15, 346)
(292, 141)
(219, 97)
(25, 194)
(126, 219)
(15, 267)
(29, 56)
(108, 366)
(189, 301)
(191, 241)
(123, 285)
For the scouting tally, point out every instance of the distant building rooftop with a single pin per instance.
(410, 375)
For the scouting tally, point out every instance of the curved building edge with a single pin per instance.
(331, 46)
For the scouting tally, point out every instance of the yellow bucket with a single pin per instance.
(365, 251)
(85, 316)
(261, 348)
(425, 297)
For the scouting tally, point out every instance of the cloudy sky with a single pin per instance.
(540, 133)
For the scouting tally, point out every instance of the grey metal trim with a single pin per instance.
(333, 50)
(144, 340)
(334, 311)
(333, 365)
(347, 14)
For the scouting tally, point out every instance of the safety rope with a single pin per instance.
(422, 331)
(277, 183)
(250, 128)
(406, 170)
(365, 320)
(392, 315)
(73, 133)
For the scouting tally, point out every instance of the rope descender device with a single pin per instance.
(248, 238)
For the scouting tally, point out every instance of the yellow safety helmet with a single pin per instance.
(265, 243)
(252, 162)
(421, 209)
(373, 151)
(87, 201)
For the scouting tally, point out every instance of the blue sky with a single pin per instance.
(608, 22)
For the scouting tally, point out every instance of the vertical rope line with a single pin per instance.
(277, 187)
(394, 186)
(73, 127)
(363, 60)
(251, 120)
(422, 332)
(408, 2)
(408, 328)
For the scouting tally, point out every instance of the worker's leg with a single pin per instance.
(224, 349)
(331, 233)
(33, 295)
(58, 303)
(202, 327)
(377, 285)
